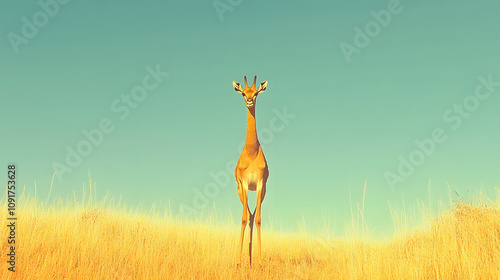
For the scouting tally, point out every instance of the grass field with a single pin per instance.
(104, 240)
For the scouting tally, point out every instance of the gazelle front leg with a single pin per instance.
(243, 193)
(261, 192)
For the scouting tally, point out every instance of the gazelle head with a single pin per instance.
(250, 93)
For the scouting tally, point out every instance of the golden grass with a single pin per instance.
(98, 241)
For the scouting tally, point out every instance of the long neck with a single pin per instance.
(252, 143)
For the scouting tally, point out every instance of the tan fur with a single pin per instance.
(251, 171)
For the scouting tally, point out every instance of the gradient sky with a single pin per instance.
(354, 118)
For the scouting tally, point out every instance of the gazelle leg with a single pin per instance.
(261, 192)
(243, 192)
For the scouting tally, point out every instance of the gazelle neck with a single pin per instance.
(252, 143)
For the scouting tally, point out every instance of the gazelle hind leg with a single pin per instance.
(261, 192)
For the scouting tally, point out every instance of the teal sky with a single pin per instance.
(356, 117)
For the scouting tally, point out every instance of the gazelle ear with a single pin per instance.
(237, 87)
(262, 86)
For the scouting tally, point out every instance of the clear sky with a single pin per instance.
(392, 92)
